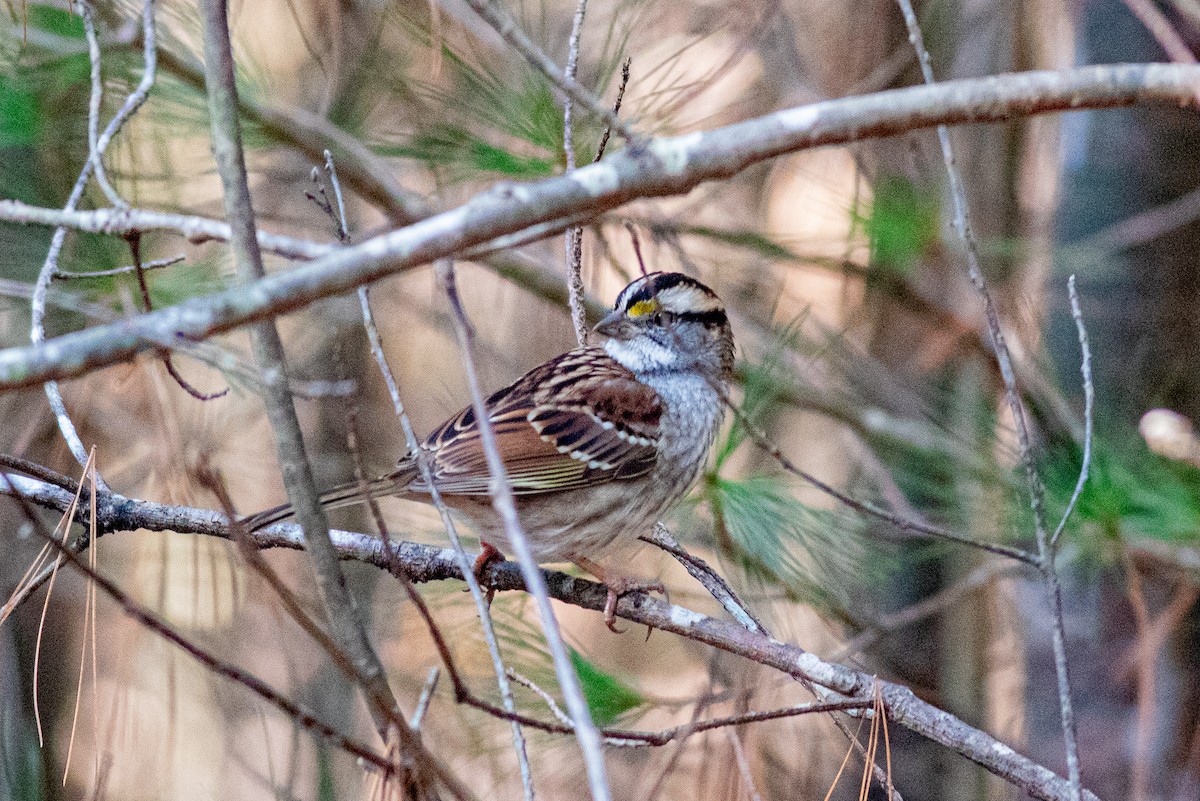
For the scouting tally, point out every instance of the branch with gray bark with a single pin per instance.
(424, 563)
(656, 168)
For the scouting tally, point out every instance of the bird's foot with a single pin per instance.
(619, 585)
(486, 558)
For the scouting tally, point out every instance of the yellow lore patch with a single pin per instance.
(642, 308)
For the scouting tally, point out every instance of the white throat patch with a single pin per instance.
(641, 355)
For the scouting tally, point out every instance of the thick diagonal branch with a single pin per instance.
(662, 167)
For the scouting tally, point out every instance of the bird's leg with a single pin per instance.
(486, 557)
(618, 585)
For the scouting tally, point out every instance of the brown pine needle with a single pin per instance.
(887, 742)
(864, 785)
(64, 525)
(89, 627)
(94, 553)
(845, 761)
(35, 567)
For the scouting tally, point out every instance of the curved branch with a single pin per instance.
(661, 167)
(423, 563)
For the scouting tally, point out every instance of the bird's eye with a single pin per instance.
(659, 318)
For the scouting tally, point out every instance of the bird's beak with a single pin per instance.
(611, 325)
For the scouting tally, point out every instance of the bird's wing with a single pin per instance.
(579, 420)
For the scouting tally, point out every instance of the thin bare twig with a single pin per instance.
(156, 264)
(40, 472)
(962, 224)
(574, 239)
(709, 578)
(502, 501)
(938, 602)
(389, 378)
(431, 682)
(1156, 22)
(1141, 659)
(548, 699)
(1089, 400)
(1138, 229)
(1147, 691)
(866, 507)
(94, 101)
(135, 249)
(569, 73)
(743, 764)
(616, 108)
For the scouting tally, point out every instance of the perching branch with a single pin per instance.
(423, 563)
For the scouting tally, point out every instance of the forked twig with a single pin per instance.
(1089, 401)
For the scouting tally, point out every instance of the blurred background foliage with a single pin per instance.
(862, 355)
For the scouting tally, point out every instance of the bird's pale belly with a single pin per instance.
(568, 526)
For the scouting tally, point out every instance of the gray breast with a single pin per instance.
(693, 414)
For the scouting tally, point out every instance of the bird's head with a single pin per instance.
(666, 322)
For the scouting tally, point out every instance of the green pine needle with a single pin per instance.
(607, 696)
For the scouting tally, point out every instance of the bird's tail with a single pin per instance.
(348, 494)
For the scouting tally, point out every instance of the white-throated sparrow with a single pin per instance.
(598, 443)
